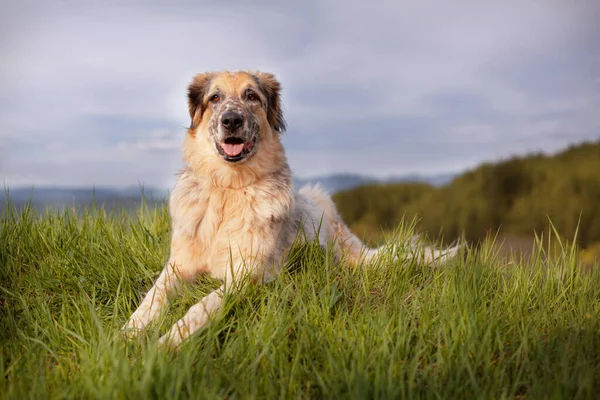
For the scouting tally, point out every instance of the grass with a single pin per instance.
(476, 328)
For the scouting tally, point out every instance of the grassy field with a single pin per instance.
(477, 328)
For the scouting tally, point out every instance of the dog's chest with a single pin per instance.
(232, 214)
(214, 224)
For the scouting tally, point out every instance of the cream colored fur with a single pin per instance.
(237, 220)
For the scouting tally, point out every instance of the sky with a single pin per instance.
(94, 92)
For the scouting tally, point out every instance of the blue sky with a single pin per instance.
(94, 93)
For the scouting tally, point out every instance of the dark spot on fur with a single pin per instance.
(275, 220)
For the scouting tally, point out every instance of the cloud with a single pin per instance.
(160, 140)
(90, 88)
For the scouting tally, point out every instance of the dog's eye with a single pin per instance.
(252, 97)
(214, 98)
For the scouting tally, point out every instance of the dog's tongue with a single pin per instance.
(233, 150)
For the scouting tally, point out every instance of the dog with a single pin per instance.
(234, 211)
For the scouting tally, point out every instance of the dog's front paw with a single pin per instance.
(172, 339)
(130, 329)
(135, 325)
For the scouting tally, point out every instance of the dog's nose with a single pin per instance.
(232, 121)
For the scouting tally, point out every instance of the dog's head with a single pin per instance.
(235, 111)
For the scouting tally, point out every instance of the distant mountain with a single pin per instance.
(61, 197)
(335, 183)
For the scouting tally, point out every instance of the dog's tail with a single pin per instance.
(349, 247)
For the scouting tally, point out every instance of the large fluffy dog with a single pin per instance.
(234, 211)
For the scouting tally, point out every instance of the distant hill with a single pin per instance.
(44, 196)
(517, 195)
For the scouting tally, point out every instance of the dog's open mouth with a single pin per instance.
(234, 149)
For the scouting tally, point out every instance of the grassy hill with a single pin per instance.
(518, 196)
(476, 328)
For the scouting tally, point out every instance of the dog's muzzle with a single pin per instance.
(236, 145)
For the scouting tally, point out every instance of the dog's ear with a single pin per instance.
(196, 92)
(272, 88)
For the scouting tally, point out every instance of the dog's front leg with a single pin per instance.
(154, 301)
(199, 314)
